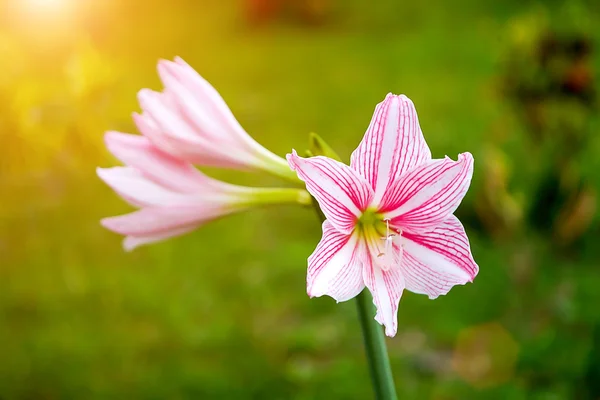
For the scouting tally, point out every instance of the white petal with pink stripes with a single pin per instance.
(390, 223)
(392, 145)
(436, 260)
(428, 194)
(334, 268)
(342, 194)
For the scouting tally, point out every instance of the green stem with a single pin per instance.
(267, 196)
(280, 168)
(277, 166)
(377, 356)
(374, 341)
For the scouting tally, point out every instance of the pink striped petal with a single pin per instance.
(161, 108)
(134, 186)
(199, 101)
(334, 268)
(173, 132)
(339, 190)
(392, 145)
(177, 148)
(434, 261)
(428, 194)
(386, 288)
(132, 242)
(150, 129)
(180, 74)
(153, 221)
(138, 152)
(147, 127)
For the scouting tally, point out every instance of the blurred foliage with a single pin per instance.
(549, 77)
(223, 313)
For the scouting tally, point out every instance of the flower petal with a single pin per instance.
(180, 75)
(150, 129)
(138, 152)
(334, 268)
(172, 132)
(199, 101)
(132, 242)
(428, 194)
(392, 145)
(152, 221)
(161, 108)
(386, 288)
(340, 191)
(135, 187)
(435, 261)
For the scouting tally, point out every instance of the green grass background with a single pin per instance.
(223, 312)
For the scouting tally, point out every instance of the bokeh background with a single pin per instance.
(222, 313)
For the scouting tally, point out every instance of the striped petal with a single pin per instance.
(392, 145)
(138, 152)
(199, 99)
(161, 108)
(434, 261)
(131, 184)
(428, 194)
(334, 268)
(132, 242)
(341, 193)
(150, 129)
(386, 288)
(171, 131)
(152, 221)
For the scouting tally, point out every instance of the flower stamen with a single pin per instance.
(388, 239)
(387, 252)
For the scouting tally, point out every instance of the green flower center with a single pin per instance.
(379, 236)
(372, 222)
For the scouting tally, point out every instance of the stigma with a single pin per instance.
(385, 257)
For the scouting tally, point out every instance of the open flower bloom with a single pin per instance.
(190, 121)
(174, 197)
(390, 223)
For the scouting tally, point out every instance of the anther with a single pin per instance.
(389, 240)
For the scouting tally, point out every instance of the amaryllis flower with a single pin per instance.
(190, 121)
(174, 197)
(390, 223)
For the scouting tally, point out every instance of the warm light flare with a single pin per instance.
(45, 3)
(45, 7)
(45, 21)
(44, 11)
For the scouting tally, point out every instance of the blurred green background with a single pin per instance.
(223, 313)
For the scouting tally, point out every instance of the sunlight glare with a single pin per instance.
(46, 9)
(45, 3)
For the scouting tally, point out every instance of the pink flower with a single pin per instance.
(390, 223)
(174, 197)
(190, 121)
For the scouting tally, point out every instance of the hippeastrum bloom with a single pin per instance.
(390, 223)
(191, 121)
(174, 197)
